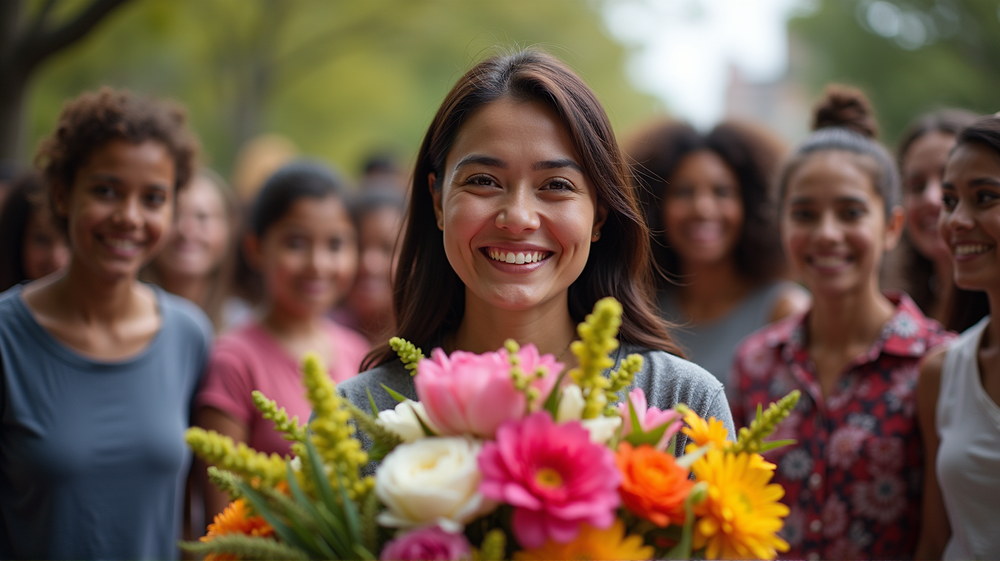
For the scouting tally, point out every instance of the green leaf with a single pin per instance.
(638, 436)
(371, 402)
(262, 508)
(400, 398)
(319, 475)
(683, 548)
(768, 446)
(552, 401)
(336, 542)
(244, 547)
(672, 447)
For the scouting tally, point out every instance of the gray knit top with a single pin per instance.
(666, 380)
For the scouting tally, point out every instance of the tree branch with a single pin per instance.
(35, 48)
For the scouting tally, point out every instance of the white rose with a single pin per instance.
(570, 404)
(602, 428)
(403, 420)
(431, 481)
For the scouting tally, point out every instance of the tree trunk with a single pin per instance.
(24, 46)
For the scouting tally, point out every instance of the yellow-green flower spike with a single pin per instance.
(597, 340)
(751, 439)
(269, 410)
(332, 431)
(246, 462)
(409, 353)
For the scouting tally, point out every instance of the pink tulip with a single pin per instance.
(649, 417)
(466, 393)
(553, 475)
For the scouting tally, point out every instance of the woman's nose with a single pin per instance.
(518, 212)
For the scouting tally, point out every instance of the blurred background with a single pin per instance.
(349, 80)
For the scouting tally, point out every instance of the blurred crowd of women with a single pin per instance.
(141, 293)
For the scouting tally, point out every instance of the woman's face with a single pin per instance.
(922, 167)
(702, 210)
(45, 249)
(517, 212)
(970, 216)
(371, 295)
(201, 233)
(308, 258)
(833, 225)
(120, 207)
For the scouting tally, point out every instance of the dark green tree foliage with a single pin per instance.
(908, 56)
(339, 78)
(28, 37)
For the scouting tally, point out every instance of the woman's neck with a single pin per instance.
(194, 288)
(484, 328)
(709, 290)
(287, 325)
(85, 298)
(849, 321)
(943, 291)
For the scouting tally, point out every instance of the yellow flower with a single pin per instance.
(703, 432)
(591, 543)
(741, 515)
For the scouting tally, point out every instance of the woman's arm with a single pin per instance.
(934, 526)
(210, 418)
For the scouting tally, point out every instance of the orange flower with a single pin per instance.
(235, 519)
(703, 432)
(591, 543)
(653, 486)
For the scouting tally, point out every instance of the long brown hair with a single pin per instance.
(429, 298)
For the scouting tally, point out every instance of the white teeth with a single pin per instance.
(828, 261)
(970, 249)
(120, 244)
(516, 258)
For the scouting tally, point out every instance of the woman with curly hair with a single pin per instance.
(98, 370)
(713, 234)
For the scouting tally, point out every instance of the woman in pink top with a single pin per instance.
(303, 242)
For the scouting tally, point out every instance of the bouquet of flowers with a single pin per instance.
(505, 455)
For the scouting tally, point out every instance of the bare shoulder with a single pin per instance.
(792, 300)
(929, 382)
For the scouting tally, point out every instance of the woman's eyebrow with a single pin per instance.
(489, 161)
(556, 164)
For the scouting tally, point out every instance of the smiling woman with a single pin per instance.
(521, 220)
(98, 370)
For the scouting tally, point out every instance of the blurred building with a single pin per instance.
(783, 105)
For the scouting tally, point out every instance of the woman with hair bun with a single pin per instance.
(922, 265)
(853, 478)
(958, 396)
(521, 220)
(706, 202)
(97, 369)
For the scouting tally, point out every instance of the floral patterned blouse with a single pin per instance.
(853, 481)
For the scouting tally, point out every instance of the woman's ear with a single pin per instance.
(894, 227)
(251, 249)
(436, 197)
(599, 218)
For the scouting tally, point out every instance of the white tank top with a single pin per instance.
(968, 460)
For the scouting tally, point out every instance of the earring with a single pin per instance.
(597, 235)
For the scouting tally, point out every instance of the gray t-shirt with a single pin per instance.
(666, 380)
(713, 345)
(92, 454)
